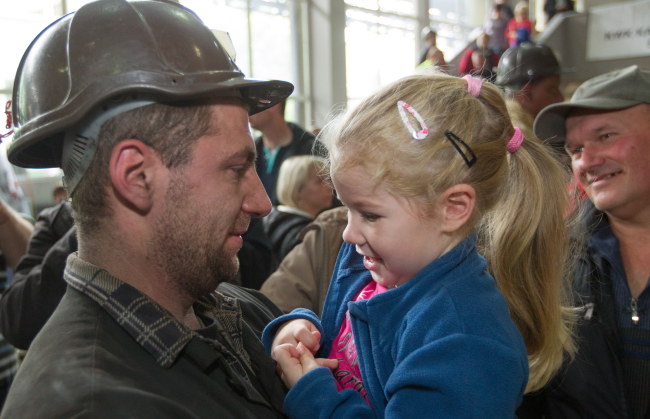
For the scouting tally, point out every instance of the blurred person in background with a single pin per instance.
(478, 59)
(530, 76)
(15, 229)
(59, 194)
(430, 54)
(303, 192)
(495, 26)
(520, 28)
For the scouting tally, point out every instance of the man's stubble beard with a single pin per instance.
(189, 247)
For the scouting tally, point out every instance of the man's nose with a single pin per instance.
(590, 157)
(257, 202)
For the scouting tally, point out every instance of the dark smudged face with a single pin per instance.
(208, 205)
(192, 244)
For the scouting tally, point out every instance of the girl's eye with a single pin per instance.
(369, 217)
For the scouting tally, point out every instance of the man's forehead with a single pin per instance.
(229, 114)
(590, 119)
(221, 103)
(578, 112)
(612, 115)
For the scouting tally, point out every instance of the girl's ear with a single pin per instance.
(132, 167)
(457, 206)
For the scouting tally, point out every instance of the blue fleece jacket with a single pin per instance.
(440, 346)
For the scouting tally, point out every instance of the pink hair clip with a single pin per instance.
(404, 107)
(515, 141)
(474, 85)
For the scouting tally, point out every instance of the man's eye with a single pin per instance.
(573, 151)
(240, 171)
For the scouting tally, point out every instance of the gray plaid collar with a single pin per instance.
(153, 327)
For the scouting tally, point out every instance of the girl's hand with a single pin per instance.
(297, 331)
(296, 361)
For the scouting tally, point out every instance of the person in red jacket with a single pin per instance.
(478, 58)
(520, 28)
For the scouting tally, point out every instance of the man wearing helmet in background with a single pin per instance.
(530, 75)
(147, 114)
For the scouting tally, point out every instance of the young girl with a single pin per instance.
(434, 177)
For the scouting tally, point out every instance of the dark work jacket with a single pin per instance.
(590, 386)
(301, 144)
(84, 365)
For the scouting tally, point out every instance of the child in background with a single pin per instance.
(520, 28)
(434, 176)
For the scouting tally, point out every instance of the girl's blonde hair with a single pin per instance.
(520, 196)
(294, 173)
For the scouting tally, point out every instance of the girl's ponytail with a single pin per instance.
(524, 238)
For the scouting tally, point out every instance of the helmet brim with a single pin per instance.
(41, 145)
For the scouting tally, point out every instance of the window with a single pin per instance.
(264, 37)
(380, 42)
(455, 21)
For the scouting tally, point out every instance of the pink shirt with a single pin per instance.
(348, 374)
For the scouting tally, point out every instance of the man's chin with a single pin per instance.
(230, 272)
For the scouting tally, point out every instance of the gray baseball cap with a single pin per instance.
(617, 89)
(524, 63)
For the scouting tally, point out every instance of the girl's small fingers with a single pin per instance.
(316, 336)
(328, 363)
(306, 358)
(308, 339)
(284, 351)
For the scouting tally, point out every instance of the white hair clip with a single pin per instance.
(404, 107)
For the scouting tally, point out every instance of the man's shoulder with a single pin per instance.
(69, 363)
(76, 335)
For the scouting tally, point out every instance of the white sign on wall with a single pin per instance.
(619, 31)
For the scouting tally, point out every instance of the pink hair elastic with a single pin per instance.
(420, 134)
(515, 141)
(474, 85)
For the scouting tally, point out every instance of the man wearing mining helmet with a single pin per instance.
(147, 115)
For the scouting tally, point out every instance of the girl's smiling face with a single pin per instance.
(396, 240)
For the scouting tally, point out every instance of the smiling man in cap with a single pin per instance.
(147, 114)
(605, 129)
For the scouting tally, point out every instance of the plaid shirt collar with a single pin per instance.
(153, 327)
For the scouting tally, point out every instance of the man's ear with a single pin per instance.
(131, 167)
(457, 206)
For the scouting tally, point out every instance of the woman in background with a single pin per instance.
(303, 193)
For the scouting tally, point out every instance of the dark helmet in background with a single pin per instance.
(145, 51)
(524, 63)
